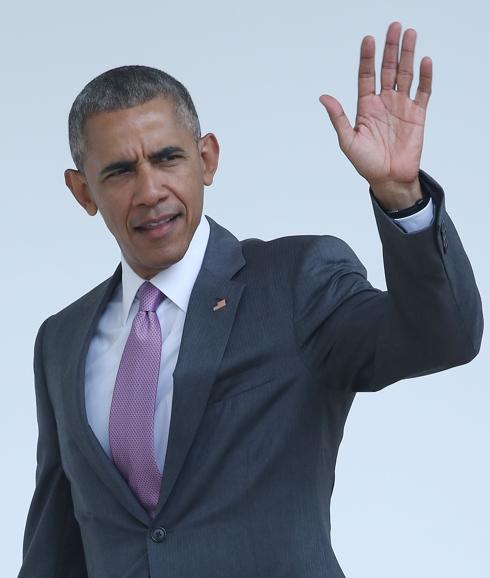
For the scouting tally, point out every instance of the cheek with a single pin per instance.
(115, 218)
(194, 207)
(188, 184)
(192, 194)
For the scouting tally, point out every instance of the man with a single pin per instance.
(191, 407)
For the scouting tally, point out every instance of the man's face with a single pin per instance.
(145, 173)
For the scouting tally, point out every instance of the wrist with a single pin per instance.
(394, 196)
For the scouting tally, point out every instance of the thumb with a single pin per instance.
(338, 118)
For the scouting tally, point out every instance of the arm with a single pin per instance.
(362, 339)
(52, 542)
(430, 318)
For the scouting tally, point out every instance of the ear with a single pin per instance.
(77, 183)
(209, 151)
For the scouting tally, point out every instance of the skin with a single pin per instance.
(385, 144)
(132, 185)
(385, 147)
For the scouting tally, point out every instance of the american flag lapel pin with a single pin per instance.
(220, 303)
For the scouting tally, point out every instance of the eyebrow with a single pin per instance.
(127, 165)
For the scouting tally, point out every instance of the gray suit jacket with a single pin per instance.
(262, 389)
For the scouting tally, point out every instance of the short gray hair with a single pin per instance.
(125, 87)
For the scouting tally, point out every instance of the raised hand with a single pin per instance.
(385, 145)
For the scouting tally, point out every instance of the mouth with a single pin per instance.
(156, 228)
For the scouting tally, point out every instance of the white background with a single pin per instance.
(413, 477)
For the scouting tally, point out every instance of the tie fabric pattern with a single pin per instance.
(132, 411)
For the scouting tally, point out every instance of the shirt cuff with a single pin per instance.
(418, 221)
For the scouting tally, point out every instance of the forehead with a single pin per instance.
(143, 127)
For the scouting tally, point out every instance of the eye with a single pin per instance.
(170, 158)
(116, 173)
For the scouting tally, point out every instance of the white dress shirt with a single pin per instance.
(107, 344)
(418, 221)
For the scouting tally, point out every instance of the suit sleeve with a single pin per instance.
(52, 543)
(363, 339)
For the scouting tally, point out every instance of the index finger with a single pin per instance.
(367, 73)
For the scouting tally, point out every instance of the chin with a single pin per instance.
(148, 265)
(161, 264)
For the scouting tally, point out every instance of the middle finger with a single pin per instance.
(389, 65)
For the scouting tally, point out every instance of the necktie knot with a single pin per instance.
(149, 296)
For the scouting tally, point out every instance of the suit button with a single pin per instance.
(158, 534)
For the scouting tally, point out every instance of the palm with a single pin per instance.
(385, 145)
(387, 138)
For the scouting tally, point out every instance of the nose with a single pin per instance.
(150, 186)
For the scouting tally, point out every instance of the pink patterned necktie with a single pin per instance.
(132, 413)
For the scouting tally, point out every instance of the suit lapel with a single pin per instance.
(206, 332)
(205, 335)
(79, 341)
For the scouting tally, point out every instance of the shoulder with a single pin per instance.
(83, 307)
(300, 253)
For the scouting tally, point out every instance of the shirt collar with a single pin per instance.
(177, 281)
